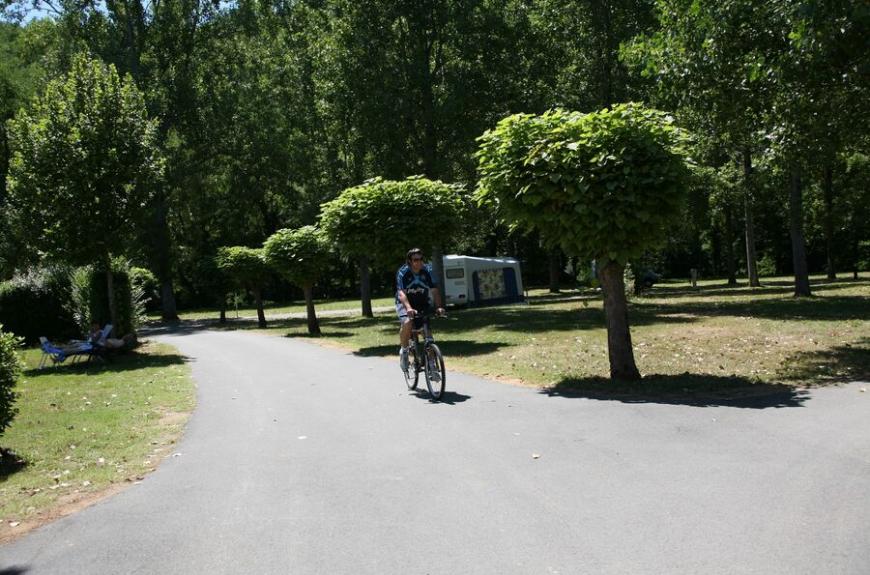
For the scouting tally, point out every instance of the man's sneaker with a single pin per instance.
(403, 358)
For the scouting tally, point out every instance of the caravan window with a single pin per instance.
(455, 273)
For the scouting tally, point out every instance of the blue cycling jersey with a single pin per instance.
(415, 286)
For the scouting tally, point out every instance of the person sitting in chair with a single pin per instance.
(99, 339)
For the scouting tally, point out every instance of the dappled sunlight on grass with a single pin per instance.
(718, 333)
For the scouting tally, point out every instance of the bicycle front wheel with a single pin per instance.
(412, 374)
(436, 376)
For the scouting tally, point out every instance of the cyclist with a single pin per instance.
(414, 282)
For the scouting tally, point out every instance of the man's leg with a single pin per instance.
(404, 335)
(405, 332)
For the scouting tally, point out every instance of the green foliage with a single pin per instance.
(39, 303)
(299, 255)
(766, 266)
(10, 370)
(129, 298)
(380, 217)
(84, 163)
(145, 281)
(245, 267)
(603, 186)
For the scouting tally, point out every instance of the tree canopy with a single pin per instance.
(604, 185)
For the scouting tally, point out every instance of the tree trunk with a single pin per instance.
(427, 99)
(729, 246)
(167, 301)
(751, 259)
(619, 348)
(829, 221)
(555, 269)
(438, 270)
(261, 315)
(798, 249)
(223, 316)
(110, 287)
(365, 287)
(163, 261)
(313, 325)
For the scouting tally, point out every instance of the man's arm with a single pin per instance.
(436, 297)
(403, 297)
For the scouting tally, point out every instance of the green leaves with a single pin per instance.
(300, 255)
(245, 266)
(603, 185)
(84, 163)
(380, 217)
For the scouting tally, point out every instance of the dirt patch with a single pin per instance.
(75, 502)
(66, 505)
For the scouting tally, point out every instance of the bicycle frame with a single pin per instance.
(420, 351)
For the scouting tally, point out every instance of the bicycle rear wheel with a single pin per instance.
(412, 374)
(436, 376)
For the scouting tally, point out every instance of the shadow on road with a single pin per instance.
(448, 397)
(698, 390)
(451, 348)
(13, 570)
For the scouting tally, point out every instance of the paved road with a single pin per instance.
(306, 460)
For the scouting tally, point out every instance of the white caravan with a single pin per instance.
(482, 281)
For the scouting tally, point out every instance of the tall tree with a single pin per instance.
(710, 61)
(84, 163)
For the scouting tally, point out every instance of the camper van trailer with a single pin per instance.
(482, 281)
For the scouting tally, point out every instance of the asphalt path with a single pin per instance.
(302, 459)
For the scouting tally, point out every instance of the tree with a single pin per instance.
(606, 184)
(247, 269)
(710, 61)
(413, 210)
(300, 256)
(84, 165)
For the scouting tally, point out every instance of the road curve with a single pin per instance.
(307, 460)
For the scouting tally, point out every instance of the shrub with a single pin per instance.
(144, 280)
(128, 298)
(10, 369)
(767, 266)
(39, 303)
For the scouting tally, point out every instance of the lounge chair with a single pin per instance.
(57, 354)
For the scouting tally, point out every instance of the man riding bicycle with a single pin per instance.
(414, 281)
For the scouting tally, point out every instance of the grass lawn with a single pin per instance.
(83, 431)
(709, 339)
(276, 310)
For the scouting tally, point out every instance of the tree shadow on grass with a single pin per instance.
(451, 348)
(126, 361)
(536, 320)
(698, 390)
(10, 463)
(839, 364)
(827, 308)
(772, 287)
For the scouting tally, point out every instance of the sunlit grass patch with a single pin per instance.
(730, 335)
(84, 428)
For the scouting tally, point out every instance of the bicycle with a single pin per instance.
(425, 358)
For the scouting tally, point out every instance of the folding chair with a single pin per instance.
(60, 354)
